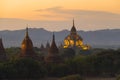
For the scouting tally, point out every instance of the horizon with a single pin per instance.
(58, 30)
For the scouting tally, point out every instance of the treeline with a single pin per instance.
(98, 63)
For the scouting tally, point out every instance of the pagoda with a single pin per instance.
(42, 47)
(3, 56)
(74, 40)
(47, 45)
(27, 47)
(53, 53)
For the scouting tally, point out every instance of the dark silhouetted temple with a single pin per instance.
(27, 47)
(74, 40)
(42, 47)
(47, 45)
(3, 55)
(53, 54)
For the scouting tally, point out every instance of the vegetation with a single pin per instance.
(98, 63)
(22, 68)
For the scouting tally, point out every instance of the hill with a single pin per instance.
(108, 38)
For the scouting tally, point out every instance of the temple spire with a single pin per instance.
(1, 46)
(73, 29)
(53, 48)
(73, 22)
(53, 37)
(53, 54)
(26, 31)
(47, 45)
(27, 47)
(3, 55)
(42, 47)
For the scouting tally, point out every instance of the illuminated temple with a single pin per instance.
(74, 40)
(27, 47)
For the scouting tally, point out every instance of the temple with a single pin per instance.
(47, 45)
(42, 47)
(27, 47)
(3, 56)
(74, 40)
(53, 54)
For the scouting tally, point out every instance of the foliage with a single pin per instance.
(12, 50)
(23, 68)
(57, 70)
(101, 62)
(68, 53)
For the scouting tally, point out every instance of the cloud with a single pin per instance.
(70, 13)
(60, 10)
(50, 9)
(58, 18)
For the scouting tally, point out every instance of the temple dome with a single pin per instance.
(27, 43)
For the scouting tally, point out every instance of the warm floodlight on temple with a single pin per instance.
(74, 40)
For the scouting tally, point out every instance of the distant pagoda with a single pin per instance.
(3, 55)
(53, 54)
(73, 40)
(27, 47)
(42, 47)
(47, 45)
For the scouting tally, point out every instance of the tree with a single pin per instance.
(68, 53)
(23, 68)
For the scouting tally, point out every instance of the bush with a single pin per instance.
(72, 77)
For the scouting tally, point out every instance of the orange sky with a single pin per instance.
(88, 14)
(25, 9)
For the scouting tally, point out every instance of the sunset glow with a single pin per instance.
(56, 10)
(26, 8)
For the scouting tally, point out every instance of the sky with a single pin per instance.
(56, 15)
